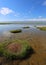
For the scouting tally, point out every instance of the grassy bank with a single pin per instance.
(42, 28)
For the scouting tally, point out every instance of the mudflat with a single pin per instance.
(37, 40)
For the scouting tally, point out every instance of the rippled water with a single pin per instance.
(11, 26)
(5, 28)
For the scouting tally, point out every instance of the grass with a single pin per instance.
(42, 28)
(17, 49)
(26, 27)
(16, 31)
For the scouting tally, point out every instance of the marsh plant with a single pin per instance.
(42, 28)
(16, 31)
(17, 49)
(26, 27)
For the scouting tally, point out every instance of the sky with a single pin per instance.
(21, 10)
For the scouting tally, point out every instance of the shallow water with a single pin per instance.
(36, 39)
(4, 30)
(15, 26)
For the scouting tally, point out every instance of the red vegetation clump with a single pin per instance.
(14, 47)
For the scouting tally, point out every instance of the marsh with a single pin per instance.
(35, 37)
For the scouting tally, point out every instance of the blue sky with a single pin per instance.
(15, 10)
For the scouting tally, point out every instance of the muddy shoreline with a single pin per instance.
(36, 39)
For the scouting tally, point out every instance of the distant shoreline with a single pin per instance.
(4, 23)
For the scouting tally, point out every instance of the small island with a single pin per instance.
(42, 28)
(26, 27)
(16, 31)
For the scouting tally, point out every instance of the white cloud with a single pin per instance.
(17, 14)
(40, 17)
(5, 11)
(37, 19)
(44, 3)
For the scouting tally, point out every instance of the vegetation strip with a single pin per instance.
(42, 28)
(15, 49)
(16, 31)
(26, 27)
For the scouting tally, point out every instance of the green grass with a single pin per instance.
(42, 28)
(26, 27)
(4, 51)
(16, 31)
